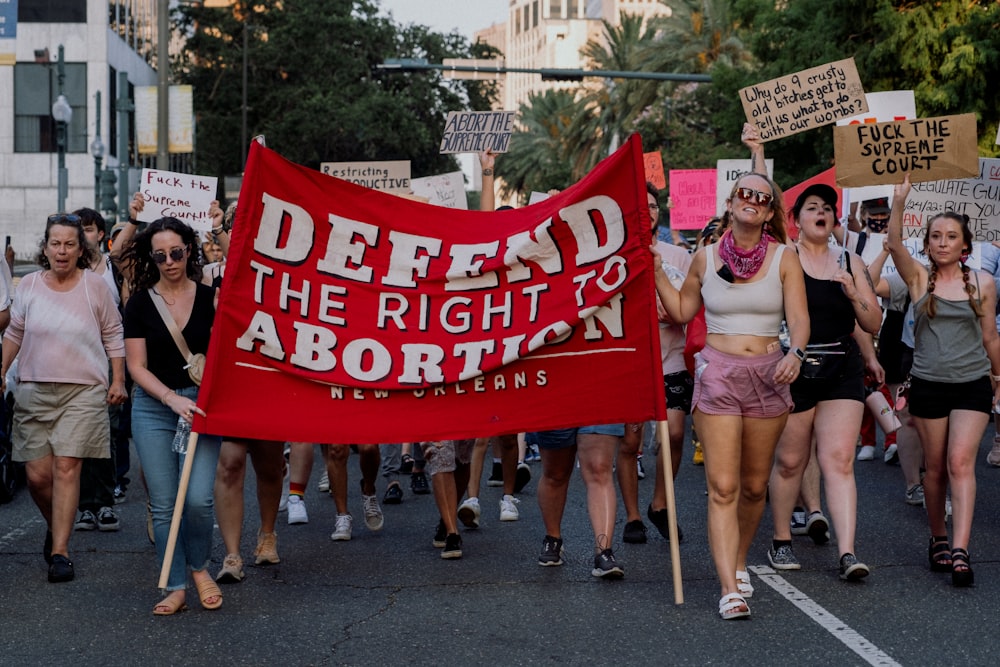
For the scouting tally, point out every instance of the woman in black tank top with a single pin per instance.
(829, 407)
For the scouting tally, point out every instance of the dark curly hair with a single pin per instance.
(139, 255)
(66, 220)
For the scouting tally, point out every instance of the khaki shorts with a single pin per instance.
(60, 419)
(446, 455)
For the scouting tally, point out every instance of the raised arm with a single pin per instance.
(487, 199)
(913, 274)
(751, 139)
(126, 235)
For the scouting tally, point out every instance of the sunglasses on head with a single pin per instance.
(57, 218)
(160, 257)
(754, 196)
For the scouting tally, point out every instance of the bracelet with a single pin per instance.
(218, 230)
(163, 399)
(996, 378)
(487, 172)
(132, 221)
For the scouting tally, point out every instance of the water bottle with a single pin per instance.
(180, 443)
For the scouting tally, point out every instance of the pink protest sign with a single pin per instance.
(692, 197)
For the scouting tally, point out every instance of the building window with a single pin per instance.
(52, 11)
(534, 14)
(556, 9)
(34, 127)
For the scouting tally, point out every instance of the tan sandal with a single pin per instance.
(169, 605)
(208, 589)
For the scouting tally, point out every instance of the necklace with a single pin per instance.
(812, 272)
(744, 263)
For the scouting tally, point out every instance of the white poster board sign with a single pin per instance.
(727, 173)
(475, 131)
(978, 198)
(446, 190)
(186, 197)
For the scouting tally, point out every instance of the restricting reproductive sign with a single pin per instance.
(804, 100)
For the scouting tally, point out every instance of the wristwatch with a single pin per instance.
(799, 354)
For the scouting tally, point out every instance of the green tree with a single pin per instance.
(313, 89)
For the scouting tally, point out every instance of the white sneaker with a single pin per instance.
(297, 510)
(508, 508)
(866, 453)
(373, 513)
(342, 530)
(469, 513)
(324, 483)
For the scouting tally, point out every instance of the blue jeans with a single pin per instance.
(153, 428)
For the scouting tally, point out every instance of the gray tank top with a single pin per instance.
(949, 346)
(755, 308)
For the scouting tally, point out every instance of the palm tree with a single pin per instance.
(538, 158)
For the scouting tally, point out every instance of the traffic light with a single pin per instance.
(109, 189)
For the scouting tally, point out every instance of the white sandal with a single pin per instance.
(730, 607)
(743, 583)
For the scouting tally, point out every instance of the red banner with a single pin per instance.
(348, 315)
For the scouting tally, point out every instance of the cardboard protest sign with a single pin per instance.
(805, 100)
(727, 172)
(353, 316)
(882, 107)
(978, 198)
(446, 190)
(692, 198)
(654, 169)
(474, 131)
(385, 176)
(186, 197)
(929, 149)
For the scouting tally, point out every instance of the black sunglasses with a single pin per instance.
(160, 257)
(57, 218)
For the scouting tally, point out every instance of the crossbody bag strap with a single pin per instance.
(168, 319)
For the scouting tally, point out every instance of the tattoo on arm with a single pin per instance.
(868, 277)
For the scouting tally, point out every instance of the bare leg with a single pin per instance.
(336, 468)
(627, 473)
(837, 424)
(597, 455)
(557, 469)
(268, 464)
(508, 459)
(476, 466)
(229, 476)
(790, 458)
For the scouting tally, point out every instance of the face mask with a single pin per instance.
(878, 225)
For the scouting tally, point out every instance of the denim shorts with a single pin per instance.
(729, 384)
(603, 429)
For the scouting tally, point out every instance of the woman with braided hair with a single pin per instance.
(955, 358)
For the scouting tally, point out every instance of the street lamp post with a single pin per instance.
(62, 112)
(97, 150)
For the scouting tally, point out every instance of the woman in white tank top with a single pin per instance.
(741, 398)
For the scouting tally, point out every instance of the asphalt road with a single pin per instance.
(388, 599)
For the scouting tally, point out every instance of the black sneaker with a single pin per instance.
(60, 570)
(418, 483)
(406, 465)
(440, 535)
(635, 532)
(87, 521)
(496, 477)
(522, 478)
(452, 546)
(552, 552)
(393, 494)
(107, 520)
(119, 494)
(818, 528)
(606, 566)
(851, 569)
(661, 522)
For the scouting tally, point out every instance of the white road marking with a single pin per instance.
(848, 636)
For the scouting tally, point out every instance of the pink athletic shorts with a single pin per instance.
(727, 384)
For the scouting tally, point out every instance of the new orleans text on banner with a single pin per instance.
(348, 315)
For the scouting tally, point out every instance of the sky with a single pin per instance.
(467, 16)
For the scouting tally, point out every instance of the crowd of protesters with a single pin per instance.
(767, 343)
